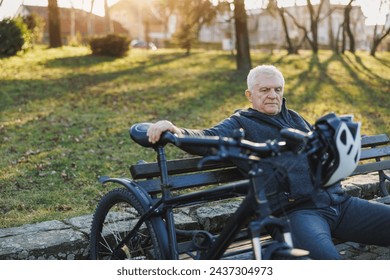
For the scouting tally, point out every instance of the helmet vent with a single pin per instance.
(350, 149)
(343, 137)
(357, 156)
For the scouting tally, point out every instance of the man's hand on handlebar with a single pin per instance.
(226, 147)
(155, 130)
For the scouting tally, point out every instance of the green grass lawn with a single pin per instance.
(64, 114)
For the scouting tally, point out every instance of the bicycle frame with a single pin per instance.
(254, 208)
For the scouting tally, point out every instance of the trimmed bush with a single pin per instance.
(12, 36)
(110, 45)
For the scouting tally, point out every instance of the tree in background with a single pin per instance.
(346, 27)
(193, 15)
(35, 25)
(238, 14)
(162, 11)
(311, 34)
(107, 20)
(72, 40)
(90, 22)
(381, 34)
(274, 9)
(314, 20)
(243, 58)
(54, 25)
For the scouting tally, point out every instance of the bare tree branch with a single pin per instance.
(328, 13)
(377, 38)
(303, 28)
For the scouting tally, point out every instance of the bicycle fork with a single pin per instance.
(256, 227)
(265, 220)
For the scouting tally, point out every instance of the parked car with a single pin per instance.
(143, 45)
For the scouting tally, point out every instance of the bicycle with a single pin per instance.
(131, 224)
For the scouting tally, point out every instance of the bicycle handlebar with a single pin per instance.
(259, 149)
(224, 144)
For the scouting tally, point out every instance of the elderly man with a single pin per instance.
(330, 212)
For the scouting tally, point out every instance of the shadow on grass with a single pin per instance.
(311, 79)
(91, 60)
(269, 59)
(367, 71)
(383, 61)
(78, 61)
(367, 93)
(316, 75)
(20, 92)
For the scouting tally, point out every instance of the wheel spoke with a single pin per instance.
(115, 217)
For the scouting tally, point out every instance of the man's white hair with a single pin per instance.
(268, 70)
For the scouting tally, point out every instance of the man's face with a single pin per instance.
(267, 95)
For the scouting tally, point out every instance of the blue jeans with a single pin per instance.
(355, 220)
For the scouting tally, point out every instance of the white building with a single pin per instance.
(266, 30)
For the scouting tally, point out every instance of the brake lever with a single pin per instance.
(314, 144)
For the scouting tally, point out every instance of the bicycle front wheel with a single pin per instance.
(116, 215)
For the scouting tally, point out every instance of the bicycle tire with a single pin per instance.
(116, 214)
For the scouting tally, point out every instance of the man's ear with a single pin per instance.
(248, 95)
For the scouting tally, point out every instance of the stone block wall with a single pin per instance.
(68, 239)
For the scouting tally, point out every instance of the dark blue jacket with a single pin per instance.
(259, 127)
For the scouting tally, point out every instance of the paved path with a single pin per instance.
(348, 250)
(353, 251)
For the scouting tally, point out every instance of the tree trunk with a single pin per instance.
(147, 31)
(243, 58)
(290, 47)
(54, 25)
(107, 20)
(339, 30)
(344, 39)
(72, 23)
(351, 38)
(332, 44)
(378, 39)
(91, 22)
(314, 20)
(347, 26)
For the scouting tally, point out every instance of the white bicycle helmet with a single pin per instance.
(341, 136)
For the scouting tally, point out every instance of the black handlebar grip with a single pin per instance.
(168, 137)
(138, 134)
(294, 135)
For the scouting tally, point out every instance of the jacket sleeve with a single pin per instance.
(224, 129)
